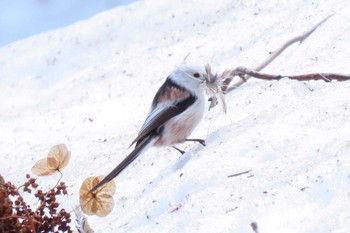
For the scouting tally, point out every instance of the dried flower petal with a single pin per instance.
(41, 168)
(101, 201)
(58, 157)
(56, 160)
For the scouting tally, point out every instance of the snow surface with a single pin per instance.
(90, 85)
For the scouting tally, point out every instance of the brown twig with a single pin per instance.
(226, 83)
(48, 192)
(243, 71)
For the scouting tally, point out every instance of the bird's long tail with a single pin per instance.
(140, 147)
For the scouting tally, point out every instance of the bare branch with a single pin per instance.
(327, 77)
(226, 88)
(185, 58)
(299, 38)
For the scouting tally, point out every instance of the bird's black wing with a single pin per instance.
(165, 107)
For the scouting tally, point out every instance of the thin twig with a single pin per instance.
(185, 58)
(226, 88)
(238, 174)
(327, 77)
(48, 192)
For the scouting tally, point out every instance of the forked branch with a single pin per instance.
(226, 87)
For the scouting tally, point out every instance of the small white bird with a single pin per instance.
(176, 110)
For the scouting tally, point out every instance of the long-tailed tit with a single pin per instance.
(176, 110)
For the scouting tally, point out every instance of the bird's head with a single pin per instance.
(189, 77)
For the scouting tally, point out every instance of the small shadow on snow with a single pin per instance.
(183, 160)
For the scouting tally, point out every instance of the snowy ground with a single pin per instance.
(90, 85)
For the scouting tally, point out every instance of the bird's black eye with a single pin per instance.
(196, 75)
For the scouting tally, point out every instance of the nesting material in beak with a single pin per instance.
(214, 83)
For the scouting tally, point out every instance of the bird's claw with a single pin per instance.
(201, 141)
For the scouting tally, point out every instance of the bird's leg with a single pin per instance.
(181, 151)
(201, 141)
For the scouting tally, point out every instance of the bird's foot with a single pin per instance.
(179, 150)
(201, 141)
